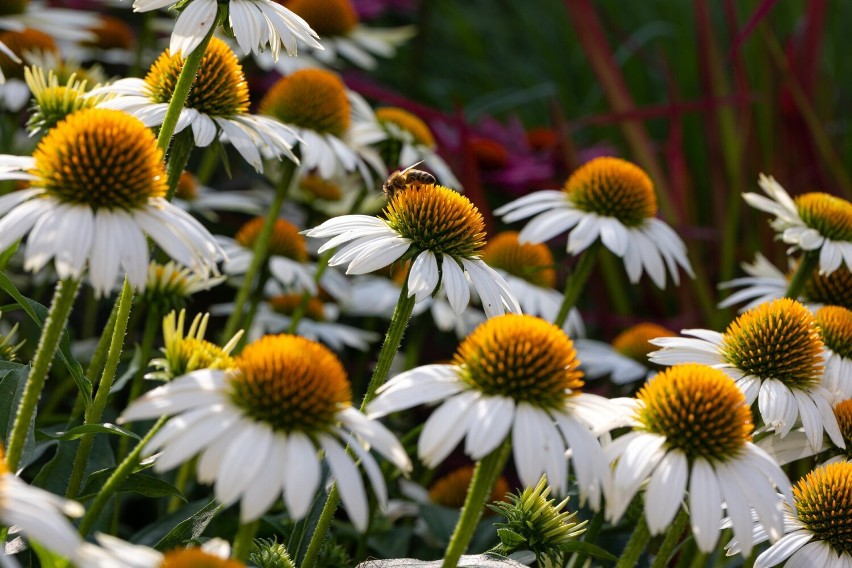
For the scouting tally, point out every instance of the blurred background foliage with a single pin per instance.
(705, 95)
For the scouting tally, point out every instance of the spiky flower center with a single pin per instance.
(521, 357)
(698, 409)
(287, 304)
(311, 98)
(824, 504)
(633, 342)
(843, 413)
(320, 188)
(409, 122)
(189, 351)
(530, 262)
(833, 289)
(187, 187)
(21, 43)
(219, 88)
(328, 18)
(285, 239)
(776, 340)
(111, 33)
(291, 383)
(611, 187)
(830, 215)
(100, 158)
(451, 489)
(437, 219)
(54, 102)
(197, 558)
(835, 323)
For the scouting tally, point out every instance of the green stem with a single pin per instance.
(592, 532)
(256, 297)
(576, 280)
(673, 534)
(153, 321)
(636, 545)
(810, 260)
(484, 476)
(182, 88)
(60, 309)
(118, 476)
(300, 310)
(183, 476)
(93, 415)
(178, 158)
(243, 539)
(261, 246)
(393, 338)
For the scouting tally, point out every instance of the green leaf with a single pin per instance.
(48, 559)
(589, 549)
(38, 313)
(13, 378)
(7, 254)
(190, 528)
(440, 520)
(146, 485)
(80, 431)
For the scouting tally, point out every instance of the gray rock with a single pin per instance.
(468, 561)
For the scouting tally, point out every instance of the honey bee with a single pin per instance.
(407, 178)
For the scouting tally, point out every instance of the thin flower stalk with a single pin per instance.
(124, 469)
(486, 473)
(636, 545)
(810, 260)
(671, 540)
(261, 247)
(393, 338)
(182, 88)
(576, 281)
(94, 413)
(60, 309)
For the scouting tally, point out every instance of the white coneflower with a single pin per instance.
(529, 270)
(775, 355)
(216, 108)
(276, 315)
(817, 523)
(258, 429)
(515, 375)
(415, 143)
(96, 187)
(434, 227)
(692, 435)
(810, 222)
(19, 48)
(626, 359)
(256, 25)
(38, 514)
(344, 38)
(336, 125)
(288, 260)
(60, 23)
(835, 326)
(116, 553)
(610, 200)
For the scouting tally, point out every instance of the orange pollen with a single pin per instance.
(612, 187)
(311, 98)
(835, 323)
(521, 357)
(197, 558)
(530, 262)
(828, 214)
(187, 187)
(408, 122)
(328, 18)
(290, 383)
(285, 239)
(287, 303)
(633, 341)
(21, 43)
(843, 413)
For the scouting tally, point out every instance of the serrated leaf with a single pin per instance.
(146, 485)
(190, 528)
(38, 313)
